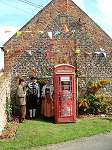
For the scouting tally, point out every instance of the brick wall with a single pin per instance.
(46, 52)
(4, 92)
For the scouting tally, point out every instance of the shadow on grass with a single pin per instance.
(43, 119)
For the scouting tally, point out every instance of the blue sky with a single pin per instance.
(14, 14)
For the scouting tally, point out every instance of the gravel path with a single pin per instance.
(97, 142)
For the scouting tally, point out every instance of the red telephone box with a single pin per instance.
(64, 93)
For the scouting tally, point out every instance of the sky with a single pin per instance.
(15, 13)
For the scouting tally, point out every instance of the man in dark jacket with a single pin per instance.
(33, 96)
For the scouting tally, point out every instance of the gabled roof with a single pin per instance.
(69, 7)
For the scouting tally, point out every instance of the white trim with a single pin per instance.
(64, 65)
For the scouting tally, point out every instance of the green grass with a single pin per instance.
(37, 133)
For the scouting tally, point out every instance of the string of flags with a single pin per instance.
(50, 33)
(56, 34)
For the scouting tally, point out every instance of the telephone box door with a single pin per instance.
(65, 100)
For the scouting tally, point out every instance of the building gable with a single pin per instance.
(54, 34)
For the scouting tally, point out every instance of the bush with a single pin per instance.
(93, 103)
(8, 109)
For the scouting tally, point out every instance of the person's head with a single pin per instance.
(21, 81)
(33, 79)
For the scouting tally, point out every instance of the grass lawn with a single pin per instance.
(34, 133)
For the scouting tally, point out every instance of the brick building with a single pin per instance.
(54, 36)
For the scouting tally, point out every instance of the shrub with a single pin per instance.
(83, 105)
(93, 103)
(8, 109)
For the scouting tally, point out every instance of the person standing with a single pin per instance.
(33, 96)
(47, 109)
(21, 97)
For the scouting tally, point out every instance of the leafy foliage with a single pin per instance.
(8, 109)
(95, 87)
(93, 103)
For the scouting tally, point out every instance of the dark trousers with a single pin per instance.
(32, 101)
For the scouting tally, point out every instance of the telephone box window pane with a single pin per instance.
(65, 97)
(65, 85)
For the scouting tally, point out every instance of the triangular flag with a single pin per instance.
(41, 32)
(57, 34)
(7, 50)
(50, 34)
(18, 33)
(66, 28)
(73, 31)
(29, 52)
(40, 50)
(104, 53)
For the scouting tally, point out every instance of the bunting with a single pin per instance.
(29, 52)
(18, 33)
(18, 50)
(41, 32)
(7, 50)
(40, 50)
(50, 35)
(73, 31)
(57, 34)
(66, 28)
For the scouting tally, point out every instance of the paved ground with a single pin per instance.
(98, 142)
